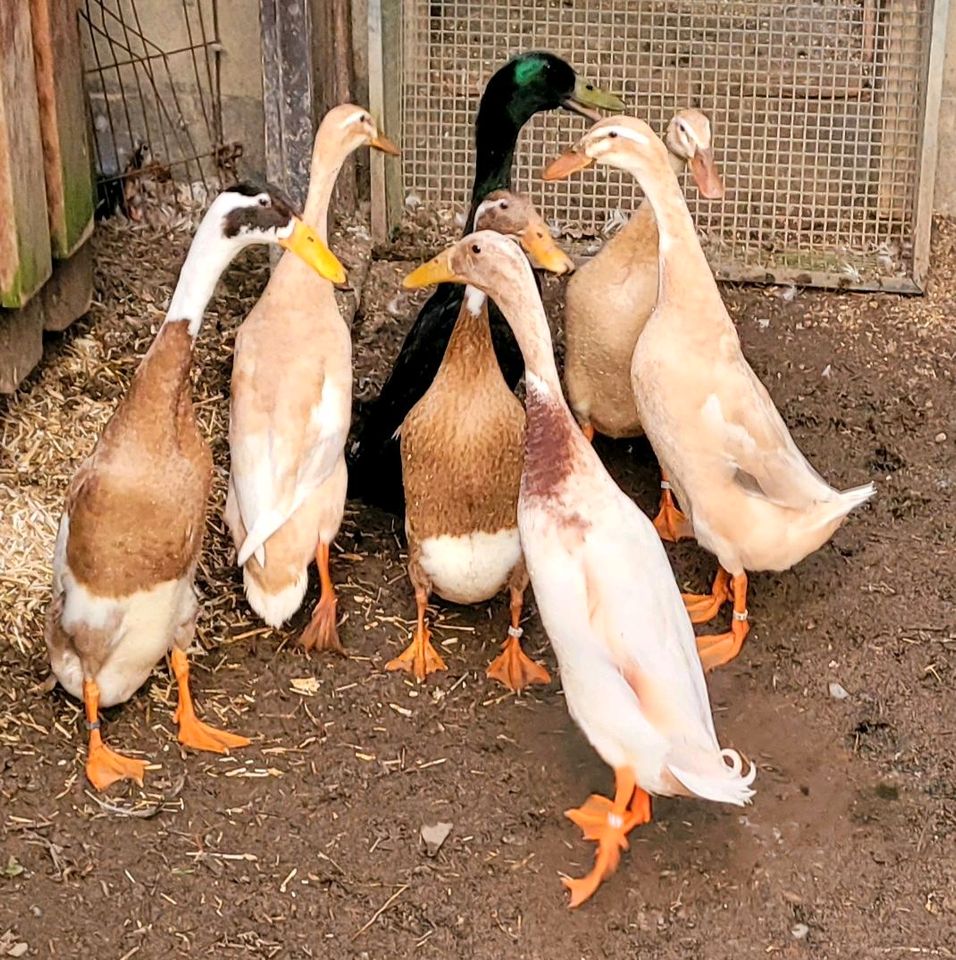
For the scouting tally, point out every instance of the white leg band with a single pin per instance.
(515, 632)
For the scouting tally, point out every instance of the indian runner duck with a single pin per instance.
(753, 499)
(604, 589)
(290, 413)
(609, 300)
(130, 535)
(526, 85)
(461, 448)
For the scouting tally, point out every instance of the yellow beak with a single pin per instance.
(307, 245)
(566, 164)
(437, 270)
(539, 244)
(381, 142)
(586, 96)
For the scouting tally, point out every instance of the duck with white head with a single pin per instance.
(604, 588)
(130, 536)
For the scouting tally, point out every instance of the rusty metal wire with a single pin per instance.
(153, 92)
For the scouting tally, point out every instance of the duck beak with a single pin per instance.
(437, 270)
(540, 246)
(307, 245)
(704, 168)
(566, 164)
(586, 97)
(381, 142)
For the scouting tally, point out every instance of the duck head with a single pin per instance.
(354, 127)
(689, 138)
(513, 215)
(247, 214)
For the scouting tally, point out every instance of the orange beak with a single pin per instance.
(566, 164)
(704, 169)
(381, 142)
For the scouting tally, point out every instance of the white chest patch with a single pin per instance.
(471, 568)
(474, 300)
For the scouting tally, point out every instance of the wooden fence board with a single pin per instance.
(59, 70)
(25, 261)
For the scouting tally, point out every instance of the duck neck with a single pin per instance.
(681, 261)
(327, 158)
(496, 137)
(470, 346)
(643, 219)
(209, 255)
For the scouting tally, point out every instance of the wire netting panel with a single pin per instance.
(816, 108)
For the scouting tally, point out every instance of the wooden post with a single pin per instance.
(66, 155)
(25, 260)
(385, 102)
(288, 93)
(332, 48)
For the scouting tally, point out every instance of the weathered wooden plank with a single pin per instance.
(24, 230)
(21, 343)
(334, 82)
(69, 291)
(66, 155)
(288, 93)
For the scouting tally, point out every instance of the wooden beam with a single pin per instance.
(332, 49)
(288, 93)
(385, 102)
(25, 261)
(66, 154)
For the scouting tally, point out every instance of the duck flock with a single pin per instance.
(496, 495)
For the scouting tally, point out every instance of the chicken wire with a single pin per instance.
(817, 109)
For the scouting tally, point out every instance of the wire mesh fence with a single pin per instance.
(152, 79)
(816, 106)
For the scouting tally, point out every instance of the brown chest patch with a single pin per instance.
(549, 444)
(462, 442)
(137, 506)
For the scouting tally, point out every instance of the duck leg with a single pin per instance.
(513, 667)
(192, 731)
(321, 632)
(608, 823)
(717, 649)
(104, 766)
(671, 522)
(705, 606)
(419, 657)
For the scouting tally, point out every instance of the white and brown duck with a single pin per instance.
(130, 536)
(462, 448)
(610, 299)
(604, 588)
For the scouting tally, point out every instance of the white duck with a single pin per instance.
(290, 413)
(752, 497)
(604, 589)
(131, 533)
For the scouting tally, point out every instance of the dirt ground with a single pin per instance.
(307, 843)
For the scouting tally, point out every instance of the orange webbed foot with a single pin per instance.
(200, 736)
(609, 824)
(419, 657)
(671, 523)
(514, 668)
(104, 767)
(717, 649)
(321, 632)
(703, 607)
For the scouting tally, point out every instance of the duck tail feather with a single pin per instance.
(713, 776)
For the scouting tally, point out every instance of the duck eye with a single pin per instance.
(613, 134)
(589, 86)
(366, 119)
(504, 204)
(263, 201)
(475, 248)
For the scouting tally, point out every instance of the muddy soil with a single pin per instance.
(307, 843)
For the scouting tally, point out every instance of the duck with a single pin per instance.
(290, 412)
(609, 300)
(461, 448)
(528, 84)
(130, 535)
(604, 589)
(752, 498)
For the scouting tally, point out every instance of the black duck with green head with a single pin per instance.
(528, 84)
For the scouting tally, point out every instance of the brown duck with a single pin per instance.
(130, 536)
(461, 448)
